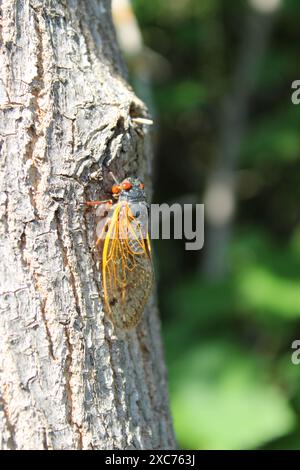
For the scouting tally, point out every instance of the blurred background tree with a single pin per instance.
(227, 135)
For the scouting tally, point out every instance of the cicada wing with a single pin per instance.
(127, 270)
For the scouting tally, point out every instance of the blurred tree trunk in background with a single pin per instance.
(68, 380)
(220, 194)
(131, 43)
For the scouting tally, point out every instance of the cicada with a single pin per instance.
(124, 249)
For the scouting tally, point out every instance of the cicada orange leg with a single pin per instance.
(96, 203)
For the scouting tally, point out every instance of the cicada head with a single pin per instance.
(130, 190)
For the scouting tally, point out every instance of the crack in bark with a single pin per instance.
(86, 41)
(45, 440)
(11, 443)
(36, 88)
(1, 20)
(43, 299)
(38, 80)
(93, 133)
(48, 334)
(139, 389)
(119, 129)
(66, 262)
(116, 394)
(108, 47)
(4, 216)
(34, 174)
(69, 392)
(73, 135)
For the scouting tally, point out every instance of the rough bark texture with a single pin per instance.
(68, 379)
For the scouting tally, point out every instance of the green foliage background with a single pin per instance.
(228, 342)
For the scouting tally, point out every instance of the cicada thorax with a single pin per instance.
(127, 272)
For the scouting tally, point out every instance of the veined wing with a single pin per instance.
(127, 271)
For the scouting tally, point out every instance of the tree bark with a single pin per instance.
(68, 379)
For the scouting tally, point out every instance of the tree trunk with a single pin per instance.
(68, 379)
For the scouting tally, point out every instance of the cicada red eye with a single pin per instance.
(126, 185)
(115, 189)
(142, 186)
